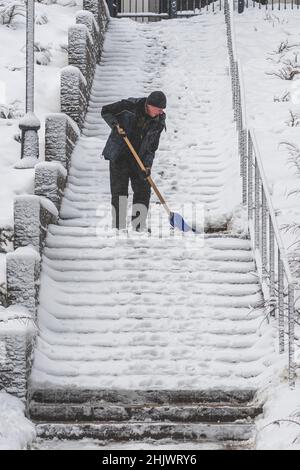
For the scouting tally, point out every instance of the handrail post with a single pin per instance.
(257, 207)
(172, 9)
(250, 177)
(272, 268)
(280, 304)
(245, 159)
(291, 320)
(264, 233)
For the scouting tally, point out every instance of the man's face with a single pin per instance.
(153, 111)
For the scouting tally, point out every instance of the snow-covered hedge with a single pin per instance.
(32, 217)
(73, 94)
(17, 330)
(84, 51)
(3, 294)
(50, 178)
(23, 269)
(12, 13)
(61, 134)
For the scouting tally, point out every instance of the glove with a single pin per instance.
(121, 131)
(146, 173)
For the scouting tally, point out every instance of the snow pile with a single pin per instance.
(279, 427)
(16, 431)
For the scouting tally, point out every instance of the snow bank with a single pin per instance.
(279, 427)
(16, 431)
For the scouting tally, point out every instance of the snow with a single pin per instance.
(16, 431)
(47, 204)
(279, 426)
(30, 120)
(89, 444)
(70, 69)
(28, 252)
(58, 166)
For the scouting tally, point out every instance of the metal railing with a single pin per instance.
(273, 4)
(271, 259)
(155, 10)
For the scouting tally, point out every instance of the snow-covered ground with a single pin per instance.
(268, 43)
(16, 431)
(51, 38)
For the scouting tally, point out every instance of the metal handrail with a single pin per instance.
(276, 278)
(139, 9)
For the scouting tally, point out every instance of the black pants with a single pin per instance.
(121, 171)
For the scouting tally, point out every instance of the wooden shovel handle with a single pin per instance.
(149, 179)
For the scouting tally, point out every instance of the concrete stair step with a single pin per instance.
(147, 444)
(72, 412)
(202, 276)
(65, 265)
(140, 430)
(134, 253)
(143, 397)
(142, 287)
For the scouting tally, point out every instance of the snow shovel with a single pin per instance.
(176, 220)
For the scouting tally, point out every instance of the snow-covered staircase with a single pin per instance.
(155, 336)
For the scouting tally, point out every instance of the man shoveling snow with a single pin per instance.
(141, 120)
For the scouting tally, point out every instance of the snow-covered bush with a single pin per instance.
(294, 120)
(64, 47)
(42, 54)
(3, 295)
(41, 18)
(284, 47)
(274, 19)
(285, 96)
(18, 137)
(12, 13)
(290, 62)
(14, 110)
(287, 72)
(6, 239)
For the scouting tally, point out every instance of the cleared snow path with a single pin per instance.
(154, 312)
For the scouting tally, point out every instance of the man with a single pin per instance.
(142, 120)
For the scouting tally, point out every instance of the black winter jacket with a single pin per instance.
(142, 130)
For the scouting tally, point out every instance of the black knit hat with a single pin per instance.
(157, 99)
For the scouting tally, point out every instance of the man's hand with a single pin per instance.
(146, 173)
(121, 131)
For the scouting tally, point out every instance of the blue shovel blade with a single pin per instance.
(178, 222)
